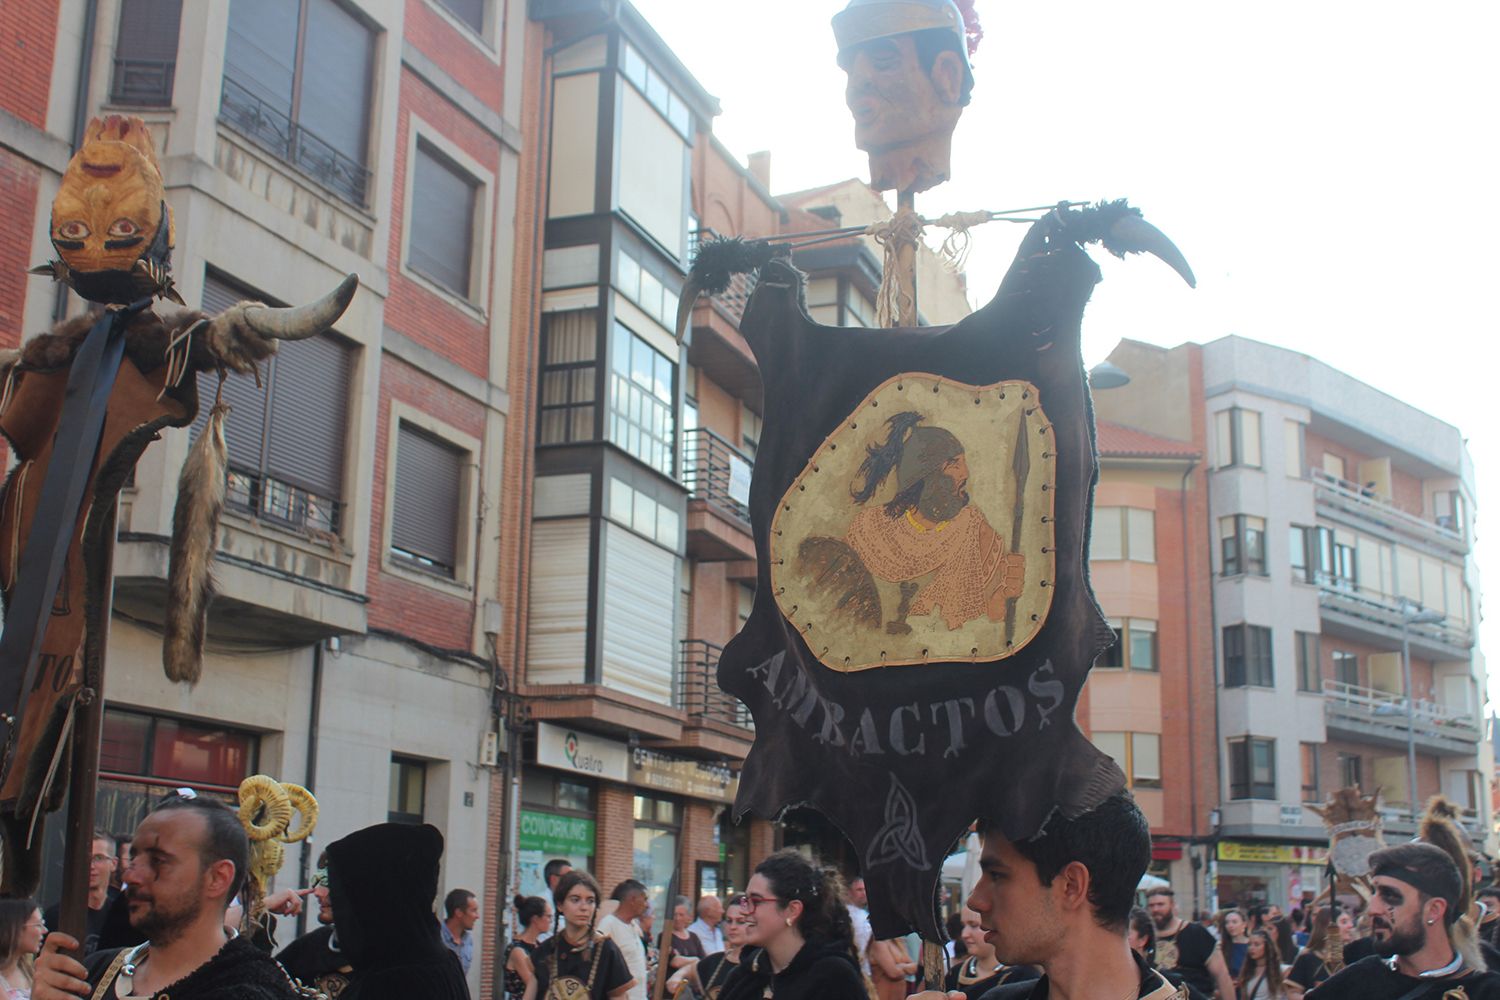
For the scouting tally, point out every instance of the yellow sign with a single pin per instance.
(1282, 854)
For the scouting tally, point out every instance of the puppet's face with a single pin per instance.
(110, 205)
(904, 113)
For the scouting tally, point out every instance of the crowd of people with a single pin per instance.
(1054, 917)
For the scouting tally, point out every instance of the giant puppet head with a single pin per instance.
(110, 222)
(909, 79)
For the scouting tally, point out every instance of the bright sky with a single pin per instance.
(1328, 168)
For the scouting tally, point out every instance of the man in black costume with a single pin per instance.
(1413, 916)
(382, 884)
(316, 958)
(187, 862)
(101, 891)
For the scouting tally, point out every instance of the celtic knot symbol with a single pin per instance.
(899, 839)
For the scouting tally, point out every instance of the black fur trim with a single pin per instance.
(719, 260)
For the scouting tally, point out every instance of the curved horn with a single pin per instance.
(691, 289)
(1135, 234)
(301, 322)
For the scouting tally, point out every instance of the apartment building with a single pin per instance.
(361, 607)
(1340, 524)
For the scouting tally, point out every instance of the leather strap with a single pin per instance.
(110, 973)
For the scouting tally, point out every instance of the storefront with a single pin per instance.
(1259, 872)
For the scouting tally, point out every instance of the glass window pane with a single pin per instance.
(1145, 758)
(572, 795)
(657, 91)
(650, 296)
(1250, 438)
(123, 749)
(629, 277)
(1142, 644)
(635, 67)
(1105, 541)
(1114, 745)
(645, 515)
(621, 499)
(1142, 528)
(667, 525)
(1224, 437)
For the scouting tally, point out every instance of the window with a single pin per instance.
(655, 131)
(1123, 533)
(744, 604)
(408, 790)
(750, 426)
(286, 435)
(1134, 647)
(1346, 667)
(1295, 444)
(641, 400)
(443, 221)
(470, 12)
(1303, 545)
(633, 509)
(1237, 434)
(568, 356)
(298, 75)
(638, 284)
(155, 749)
(1138, 754)
(426, 501)
(1351, 770)
(146, 53)
(1310, 773)
(1252, 768)
(1309, 662)
(1242, 545)
(1337, 564)
(658, 823)
(655, 90)
(1247, 656)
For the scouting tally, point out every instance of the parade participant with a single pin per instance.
(620, 927)
(709, 975)
(1260, 975)
(1142, 940)
(315, 959)
(462, 909)
(798, 932)
(859, 917)
(187, 862)
(706, 927)
(383, 882)
(1311, 967)
(686, 948)
(578, 963)
(1187, 948)
(980, 970)
(1062, 900)
(21, 931)
(1415, 916)
(534, 914)
(1234, 939)
(101, 892)
(890, 964)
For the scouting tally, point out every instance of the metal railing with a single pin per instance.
(145, 82)
(698, 691)
(1337, 595)
(280, 502)
(1387, 710)
(1365, 502)
(716, 471)
(277, 134)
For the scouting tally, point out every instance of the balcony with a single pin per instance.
(717, 477)
(143, 82)
(1380, 718)
(1351, 499)
(271, 130)
(1349, 612)
(718, 722)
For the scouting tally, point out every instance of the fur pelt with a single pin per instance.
(1440, 829)
(195, 538)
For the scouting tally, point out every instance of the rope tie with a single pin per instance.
(955, 249)
(902, 229)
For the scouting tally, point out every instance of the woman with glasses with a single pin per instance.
(578, 963)
(799, 940)
(21, 933)
(710, 975)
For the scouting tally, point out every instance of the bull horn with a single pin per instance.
(1134, 234)
(691, 289)
(301, 322)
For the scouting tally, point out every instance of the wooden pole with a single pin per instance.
(906, 262)
(83, 779)
(664, 957)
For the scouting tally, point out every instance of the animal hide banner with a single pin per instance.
(923, 622)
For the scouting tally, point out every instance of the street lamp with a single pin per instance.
(1107, 376)
(1408, 619)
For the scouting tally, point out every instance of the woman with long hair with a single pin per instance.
(577, 961)
(1234, 939)
(1311, 967)
(1140, 934)
(709, 976)
(21, 933)
(534, 917)
(980, 969)
(1260, 974)
(800, 942)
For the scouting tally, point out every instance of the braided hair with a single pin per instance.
(820, 890)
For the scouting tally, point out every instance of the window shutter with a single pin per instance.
(424, 521)
(441, 217)
(244, 428)
(148, 30)
(336, 68)
(309, 414)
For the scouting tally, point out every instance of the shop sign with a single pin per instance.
(1283, 854)
(554, 835)
(694, 778)
(1291, 815)
(582, 753)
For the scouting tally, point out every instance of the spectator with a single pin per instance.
(551, 872)
(534, 914)
(1187, 948)
(21, 931)
(859, 917)
(686, 948)
(621, 928)
(462, 909)
(1260, 974)
(102, 864)
(315, 959)
(1234, 940)
(709, 975)
(706, 927)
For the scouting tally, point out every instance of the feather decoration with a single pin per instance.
(195, 537)
(973, 33)
(718, 261)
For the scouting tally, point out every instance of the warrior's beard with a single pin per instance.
(941, 499)
(1395, 940)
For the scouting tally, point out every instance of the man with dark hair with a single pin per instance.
(554, 870)
(1187, 948)
(101, 891)
(462, 912)
(315, 958)
(619, 925)
(1062, 900)
(187, 863)
(1414, 914)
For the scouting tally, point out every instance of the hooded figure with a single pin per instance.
(382, 883)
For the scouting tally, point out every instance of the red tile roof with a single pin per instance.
(1119, 441)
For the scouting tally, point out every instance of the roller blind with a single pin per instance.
(424, 519)
(442, 221)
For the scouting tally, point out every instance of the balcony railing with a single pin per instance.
(1387, 712)
(716, 471)
(1340, 596)
(273, 131)
(1365, 503)
(698, 691)
(143, 82)
(282, 503)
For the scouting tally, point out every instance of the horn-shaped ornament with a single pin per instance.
(302, 322)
